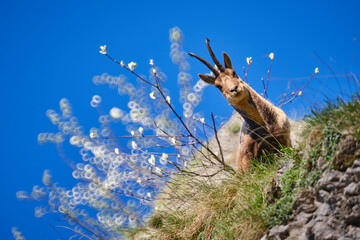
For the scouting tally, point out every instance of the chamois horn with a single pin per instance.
(216, 73)
(218, 64)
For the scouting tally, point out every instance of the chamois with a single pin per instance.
(265, 128)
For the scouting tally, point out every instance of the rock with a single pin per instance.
(344, 157)
(356, 163)
(345, 238)
(353, 219)
(329, 211)
(322, 231)
(354, 173)
(329, 181)
(352, 201)
(345, 180)
(352, 189)
(280, 231)
(323, 210)
(321, 195)
(304, 202)
(353, 232)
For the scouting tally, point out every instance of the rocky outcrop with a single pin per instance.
(329, 211)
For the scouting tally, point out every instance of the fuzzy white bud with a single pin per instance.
(116, 113)
(103, 50)
(249, 60)
(168, 99)
(165, 157)
(152, 160)
(271, 56)
(158, 170)
(117, 151)
(132, 65)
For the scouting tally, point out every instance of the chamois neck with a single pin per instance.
(255, 110)
(249, 110)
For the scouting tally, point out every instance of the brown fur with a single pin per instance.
(266, 127)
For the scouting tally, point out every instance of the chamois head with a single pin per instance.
(225, 79)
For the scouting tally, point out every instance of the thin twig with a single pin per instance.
(318, 58)
(131, 71)
(353, 55)
(293, 95)
(76, 231)
(267, 80)
(246, 73)
(217, 139)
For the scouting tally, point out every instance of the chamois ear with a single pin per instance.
(207, 79)
(227, 61)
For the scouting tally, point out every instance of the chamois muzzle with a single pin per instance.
(235, 89)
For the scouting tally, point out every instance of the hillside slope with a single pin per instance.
(310, 191)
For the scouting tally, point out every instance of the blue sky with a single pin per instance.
(50, 50)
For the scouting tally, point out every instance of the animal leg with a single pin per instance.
(245, 153)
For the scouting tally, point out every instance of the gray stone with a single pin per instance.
(329, 181)
(353, 170)
(345, 180)
(356, 163)
(353, 219)
(355, 173)
(352, 189)
(304, 202)
(323, 231)
(302, 218)
(323, 210)
(280, 231)
(345, 238)
(353, 232)
(352, 201)
(322, 195)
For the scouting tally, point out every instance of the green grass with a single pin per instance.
(227, 210)
(337, 117)
(235, 128)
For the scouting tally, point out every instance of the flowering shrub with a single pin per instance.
(118, 185)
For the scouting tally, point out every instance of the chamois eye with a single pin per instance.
(234, 74)
(219, 87)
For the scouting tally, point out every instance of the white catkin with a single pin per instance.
(101, 168)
